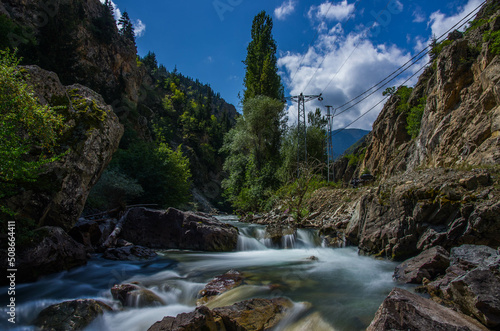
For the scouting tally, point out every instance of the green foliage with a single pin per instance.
(252, 149)
(437, 48)
(114, 189)
(493, 37)
(162, 172)
(261, 77)
(104, 26)
(414, 118)
(356, 157)
(389, 90)
(404, 93)
(126, 27)
(28, 131)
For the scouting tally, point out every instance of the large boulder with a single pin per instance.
(249, 315)
(134, 295)
(54, 251)
(91, 135)
(428, 264)
(219, 285)
(129, 253)
(174, 229)
(70, 315)
(403, 310)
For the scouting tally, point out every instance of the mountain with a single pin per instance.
(343, 139)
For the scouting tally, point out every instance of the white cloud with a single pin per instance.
(418, 16)
(117, 11)
(440, 23)
(368, 65)
(327, 10)
(285, 9)
(139, 28)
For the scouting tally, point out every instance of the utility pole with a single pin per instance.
(302, 125)
(329, 147)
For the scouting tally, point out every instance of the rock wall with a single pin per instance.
(91, 135)
(461, 121)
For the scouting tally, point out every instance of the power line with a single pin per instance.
(378, 103)
(385, 80)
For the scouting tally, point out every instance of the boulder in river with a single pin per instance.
(70, 315)
(133, 295)
(175, 229)
(403, 310)
(219, 285)
(249, 315)
(54, 251)
(427, 264)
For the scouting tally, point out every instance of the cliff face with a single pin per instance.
(91, 136)
(73, 41)
(461, 120)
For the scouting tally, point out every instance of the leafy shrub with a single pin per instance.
(414, 118)
(404, 93)
(494, 38)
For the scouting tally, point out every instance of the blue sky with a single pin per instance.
(325, 46)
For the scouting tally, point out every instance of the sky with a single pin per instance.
(337, 48)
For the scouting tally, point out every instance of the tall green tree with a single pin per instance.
(261, 76)
(126, 27)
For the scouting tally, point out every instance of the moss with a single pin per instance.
(493, 38)
(89, 108)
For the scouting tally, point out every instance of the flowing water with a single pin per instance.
(332, 288)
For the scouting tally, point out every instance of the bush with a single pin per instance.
(414, 119)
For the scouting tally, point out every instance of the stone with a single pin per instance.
(277, 233)
(88, 233)
(174, 229)
(55, 251)
(478, 293)
(249, 315)
(91, 134)
(428, 264)
(129, 253)
(469, 257)
(403, 310)
(133, 295)
(219, 285)
(70, 315)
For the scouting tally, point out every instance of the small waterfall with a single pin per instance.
(288, 240)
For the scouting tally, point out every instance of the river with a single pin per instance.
(335, 290)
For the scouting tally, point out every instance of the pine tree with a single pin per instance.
(109, 9)
(126, 27)
(261, 76)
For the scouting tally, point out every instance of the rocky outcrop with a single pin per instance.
(403, 310)
(52, 251)
(70, 315)
(416, 211)
(174, 229)
(280, 235)
(250, 315)
(91, 136)
(429, 264)
(133, 295)
(219, 285)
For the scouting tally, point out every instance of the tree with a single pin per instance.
(126, 27)
(28, 131)
(253, 147)
(261, 77)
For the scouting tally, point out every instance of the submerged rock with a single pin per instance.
(403, 310)
(133, 295)
(55, 251)
(219, 285)
(174, 229)
(70, 315)
(427, 264)
(277, 234)
(249, 315)
(129, 253)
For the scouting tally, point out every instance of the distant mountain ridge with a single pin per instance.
(343, 139)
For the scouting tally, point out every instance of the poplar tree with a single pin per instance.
(261, 76)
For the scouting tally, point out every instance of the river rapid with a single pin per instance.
(332, 288)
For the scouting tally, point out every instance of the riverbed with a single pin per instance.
(332, 288)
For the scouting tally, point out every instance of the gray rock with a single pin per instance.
(70, 315)
(428, 264)
(469, 257)
(249, 315)
(174, 229)
(219, 285)
(54, 252)
(133, 295)
(403, 310)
